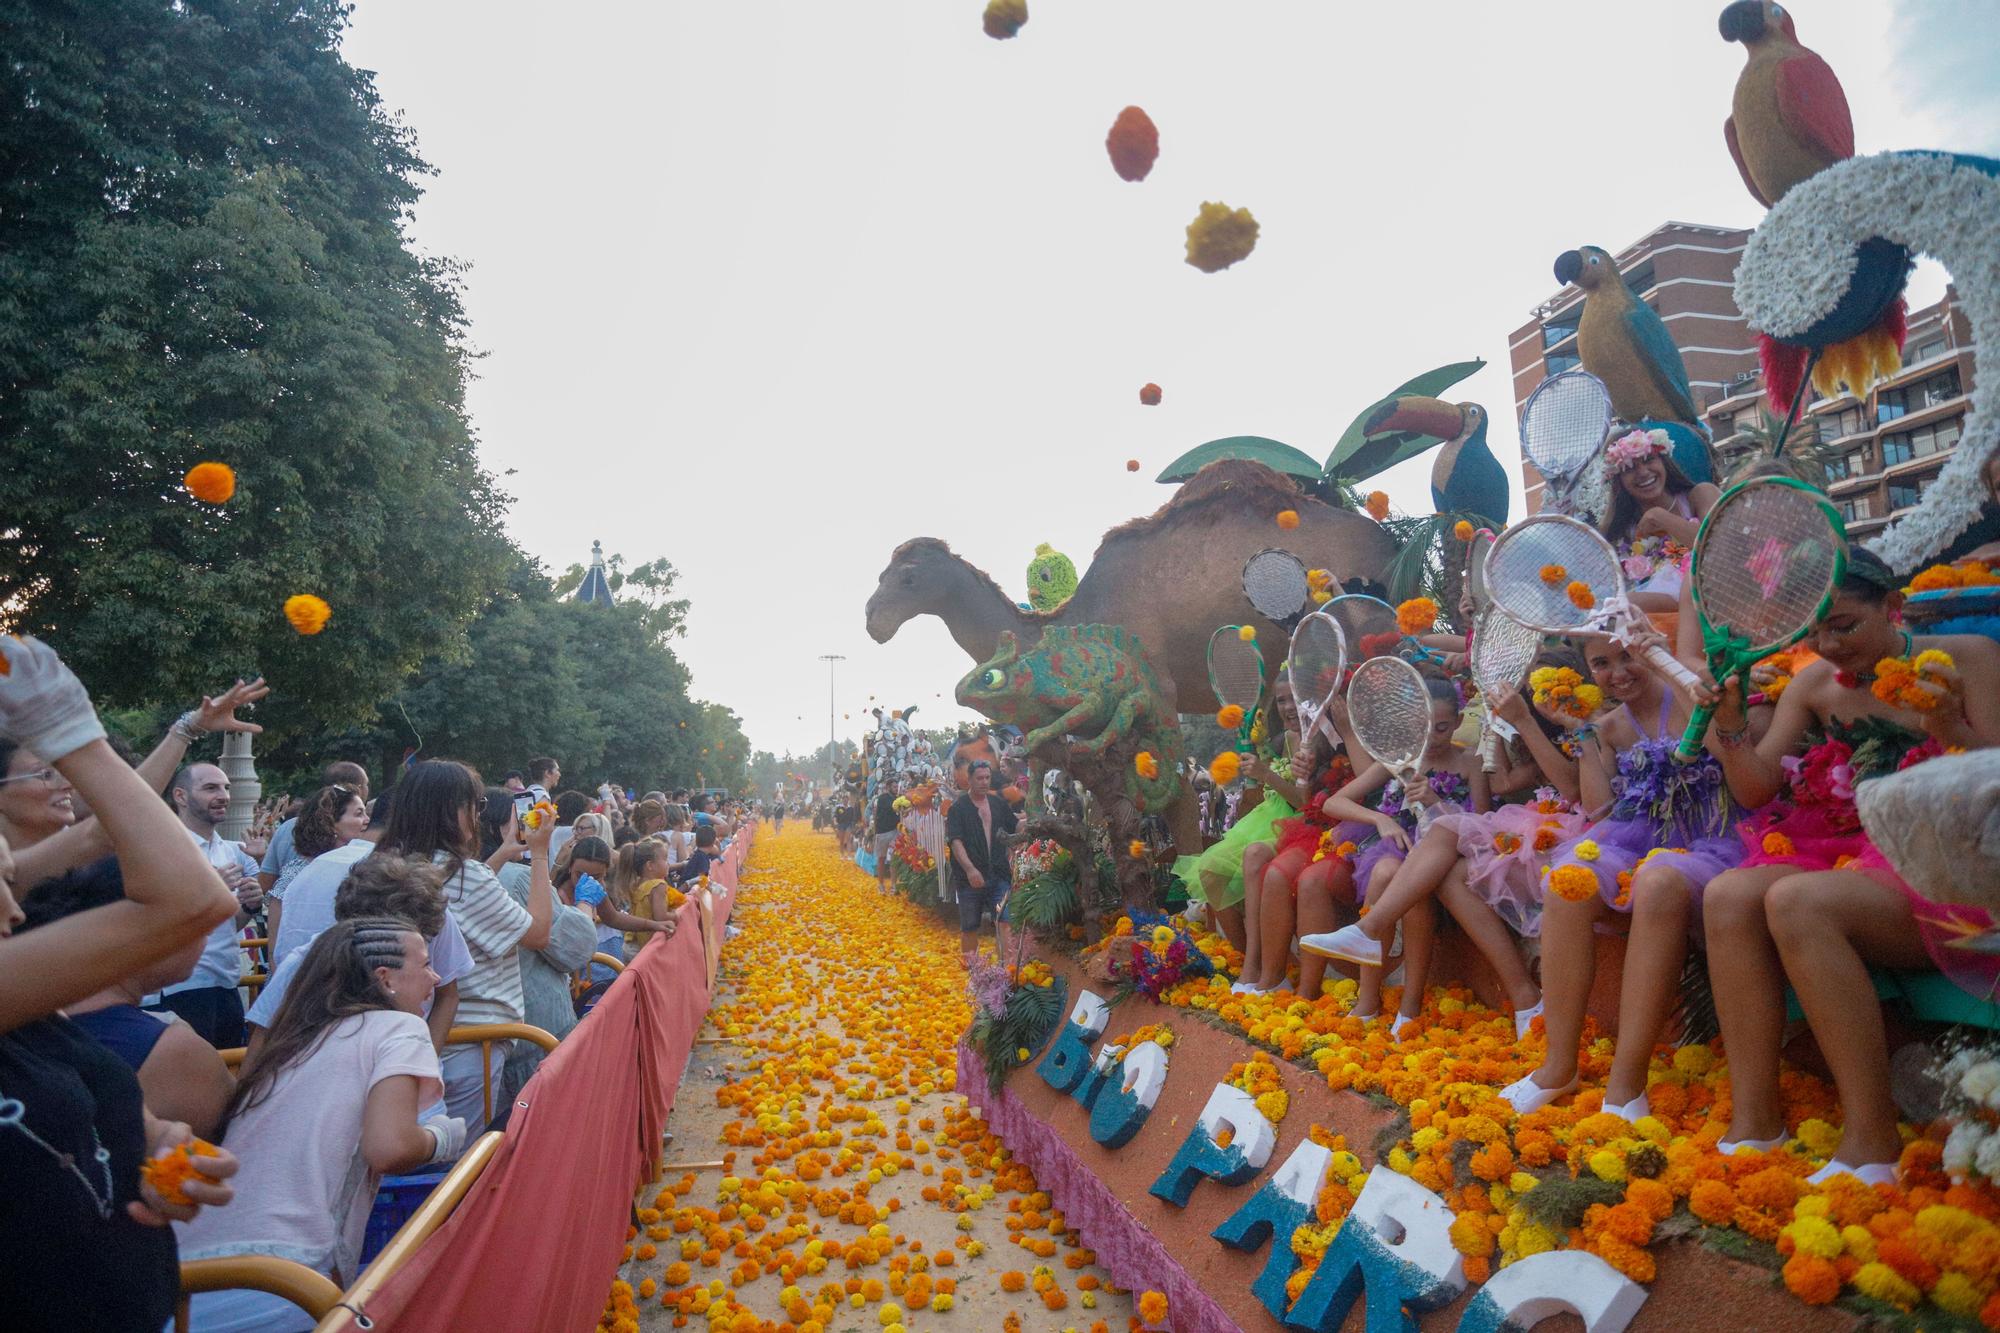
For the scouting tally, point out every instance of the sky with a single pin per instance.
(768, 288)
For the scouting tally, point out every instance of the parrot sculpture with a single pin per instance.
(1622, 342)
(1051, 578)
(1465, 478)
(1789, 117)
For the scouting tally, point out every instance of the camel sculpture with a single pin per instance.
(1169, 578)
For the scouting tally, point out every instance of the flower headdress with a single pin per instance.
(1635, 447)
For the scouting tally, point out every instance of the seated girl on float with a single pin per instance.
(1667, 833)
(1292, 881)
(1814, 902)
(1656, 509)
(1215, 877)
(1486, 869)
(1454, 780)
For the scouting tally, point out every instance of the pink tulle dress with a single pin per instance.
(1507, 849)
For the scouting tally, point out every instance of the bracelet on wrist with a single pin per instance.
(188, 727)
(1733, 740)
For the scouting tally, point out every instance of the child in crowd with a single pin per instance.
(1453, 781)
(327, 1107)
(1813, 902)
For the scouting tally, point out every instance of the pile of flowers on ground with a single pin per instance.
(1571, 1176)
(845, 1146)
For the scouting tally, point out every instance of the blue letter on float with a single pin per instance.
(1282, 1206)
(1405, 1277)
(1067, 1062)
(1199, 1156)
(1125, 1091)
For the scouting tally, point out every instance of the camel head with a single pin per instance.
(924, 577)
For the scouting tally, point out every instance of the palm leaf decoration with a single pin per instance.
(1023, 1023)
(1046, 902)
(1358, 455)
(1274, 454)
(1429, 560)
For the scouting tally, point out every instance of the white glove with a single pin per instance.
(448, 1135)
(43, 706)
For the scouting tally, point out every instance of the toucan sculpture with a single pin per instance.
(1465, 478)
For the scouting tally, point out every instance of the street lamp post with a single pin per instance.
(830, 659)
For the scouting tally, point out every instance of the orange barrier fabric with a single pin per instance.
(537, 1241)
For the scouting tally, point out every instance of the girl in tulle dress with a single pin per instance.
(1667, 835)
(1454, 780)
(1486, 868)
(1814, 902)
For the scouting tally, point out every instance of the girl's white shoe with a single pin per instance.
(1526, 1095)
(1525, 1019)
(1631, 1112)
(1874, 1173)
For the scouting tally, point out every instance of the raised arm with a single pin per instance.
(173, 897)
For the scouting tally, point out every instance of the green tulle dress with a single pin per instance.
(1226, 857)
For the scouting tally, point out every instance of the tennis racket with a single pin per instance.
(1766, 563)
(1475, 569)
(1369, 623)
(1502, 651)
(1563, 426)
(1391, 714)
(1315, 667)
(1274, 581)
(1558, 576)
(1236, 674)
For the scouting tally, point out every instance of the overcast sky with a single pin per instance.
(767, 288)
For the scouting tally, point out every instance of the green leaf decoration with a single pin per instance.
(1045, 902)
(1359, 456)
(1277, 456)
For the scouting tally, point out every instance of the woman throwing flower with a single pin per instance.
(1813, 901)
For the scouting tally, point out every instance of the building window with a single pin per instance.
(1855, 464)
(1897, 448)
(1941, 388)
(1560, 327)
(1745, 420)
(1855, 508)
(1836, 469)
(1850, 421)
(1558, 362)
(1936, 437)
(1903, 494)
(1933, 348)
(1891, 404)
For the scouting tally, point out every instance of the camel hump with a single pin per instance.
(1237, 483)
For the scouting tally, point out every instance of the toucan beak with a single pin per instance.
(1742, 21)
(1569, 264)
(1418, 415)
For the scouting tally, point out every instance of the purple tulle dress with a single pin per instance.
(1675, 814)
(1450, 788)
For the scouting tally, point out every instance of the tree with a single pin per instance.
(202, 257)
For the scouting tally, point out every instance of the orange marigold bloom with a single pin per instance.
(1134, 144)
(1150, 395)
(1288, 519)
(1131, 465)
(1145, 765)
(1554, 574)
(1377, 505)
(1013, 1280)
(1777, 844)
(1580, 595)
(170, 1172)
(1152, 1307)
(1462, 530)
(1572, 883)
(1229, 717)
(1417, 615)
(1225, 768)
(307, 613)
(1656, 1199)
(1055, 1298)
(211, 483)
(1812, 1279)
(1712, 1201)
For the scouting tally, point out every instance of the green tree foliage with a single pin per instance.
(202, 256)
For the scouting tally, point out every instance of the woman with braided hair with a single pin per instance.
(327, 1106)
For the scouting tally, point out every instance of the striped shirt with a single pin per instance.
(493, 924)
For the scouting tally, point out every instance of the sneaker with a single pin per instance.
(1526, 1095)
(1347, 943)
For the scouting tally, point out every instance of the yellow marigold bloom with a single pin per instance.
(1885, 1284)
(1220, 236)
(1607, 1164)
(1955, 1293)
(1694, 1061)
(307, 613)
(211, 483)
(1815, 1236)
(1587, 850)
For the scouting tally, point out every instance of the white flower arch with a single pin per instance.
(1799, 263)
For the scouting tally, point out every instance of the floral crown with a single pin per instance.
(1635, 447)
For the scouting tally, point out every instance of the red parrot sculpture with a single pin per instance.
(1789, 117)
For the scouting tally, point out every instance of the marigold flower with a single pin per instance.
(1134, 145)
(1137, 849)
(1248, 633)
(1131, 465)
(1229, 717)
(1572, 883)
(1377, 505)
(1288, 519)
(1152, 1307)
(307, 613)
(1580, 595)
(1225, 768)
(1587, 850)
(1220, 236)
(1554, 574)
(1145, 765)
(1417, 615)
(1150, 395)
(1462, 530)
(1013, 1280)
(170, 1172)
(1004, 18)
(211, 483)
(1777, 844)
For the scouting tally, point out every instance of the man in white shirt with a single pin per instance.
(209, 1001)
(543, 775)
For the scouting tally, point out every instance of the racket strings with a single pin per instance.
(1502, 651)
(1390, 710)
(1235, 669)
(1565, 421)
(1765, 564)
(1318, 656)
(1531, 567)
(1275, 583)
